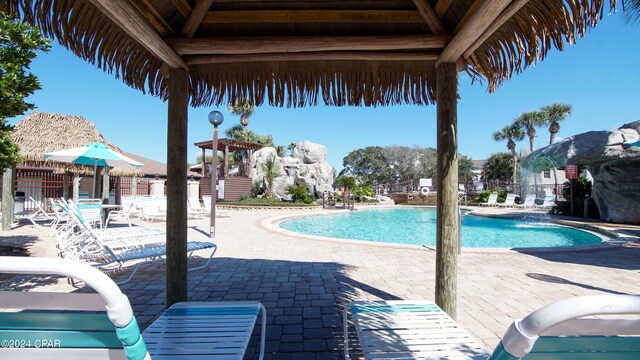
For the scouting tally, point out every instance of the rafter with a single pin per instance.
(291, 44)
(313, 56)
(503, 18)
(195, 18)
(183, 7)
(128, 19)
(472, 10)
(473, 29)
(430, 17)
(312, 16)
(157, 21)
(442, 6)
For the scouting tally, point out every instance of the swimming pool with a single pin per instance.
(418, 226)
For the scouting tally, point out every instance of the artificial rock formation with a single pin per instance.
(612, 158)
(308, 166)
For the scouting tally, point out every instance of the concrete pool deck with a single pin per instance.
(304, 283)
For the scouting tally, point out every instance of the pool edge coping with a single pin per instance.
(616, 240)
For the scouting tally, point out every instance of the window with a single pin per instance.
(546, 174)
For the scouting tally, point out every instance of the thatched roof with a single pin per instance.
(298, 53)
(41, 132)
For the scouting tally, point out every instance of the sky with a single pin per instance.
(598, 76)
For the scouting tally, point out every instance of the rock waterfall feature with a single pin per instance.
(307, 166)
(612, 158)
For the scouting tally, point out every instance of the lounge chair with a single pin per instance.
(153, 209)
(509, 201)
(492, 200)
(409, 330)
(529, 201)
(206, 199)
(125, 213)
(548, 202)
(76, 326)
(194, 208)
(40, 215)
(563, 330)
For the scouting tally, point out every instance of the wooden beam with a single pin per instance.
(157, 21)
(8, 187)
(128, 19)
(291, 44)
(176, 268)
(312, 16)
(447, 182)
(313, 56)
(473, 29)
(472, 10)
(503, 18)
(183, 7)
(430, 17)
(195, 18)
(442, 6)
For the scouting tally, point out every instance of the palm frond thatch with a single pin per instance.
(41, 132)
(521, 41)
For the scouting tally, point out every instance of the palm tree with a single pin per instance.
(271, 171)
(553, 114)
(244, 108)
(512, 133)
(528, 122)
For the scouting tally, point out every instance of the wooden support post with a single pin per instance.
(204, 164)
(118, 191)
(176, 275)
(7, 198)
(134, 186)
(447, 196)
(105, 184)
(65, 185)
(226, 161)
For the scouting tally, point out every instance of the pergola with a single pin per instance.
(300, 53)
(225, 145)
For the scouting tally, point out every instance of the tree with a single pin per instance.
(236, 132)
(553, 114)
(19, 45)
(528, 122)
(368, 164)
(244, 108)
(498, 167)
(465, 168)
(271, 171)
(511, 133)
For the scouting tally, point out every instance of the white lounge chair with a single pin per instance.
(548, 202)
(76, 326)
(206, 199)
(194, 208)
(529, 201)
(409, 330)
(153, 209)
(125, 213)
(559, 331)
(492, 200)
(509, 201)
(40, 215)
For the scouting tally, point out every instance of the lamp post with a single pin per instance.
(215, 118)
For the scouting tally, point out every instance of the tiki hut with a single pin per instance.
(301, 53)
(40, 133)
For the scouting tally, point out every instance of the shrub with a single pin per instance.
(483, 196)
(299, 193)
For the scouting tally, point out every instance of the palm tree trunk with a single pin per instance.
(531, 143)
(515, 166)
(552, 138)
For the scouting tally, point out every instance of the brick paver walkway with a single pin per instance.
(305, 283)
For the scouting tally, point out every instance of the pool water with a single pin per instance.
(418, 226)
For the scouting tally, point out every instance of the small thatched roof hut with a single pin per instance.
(42, 132)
